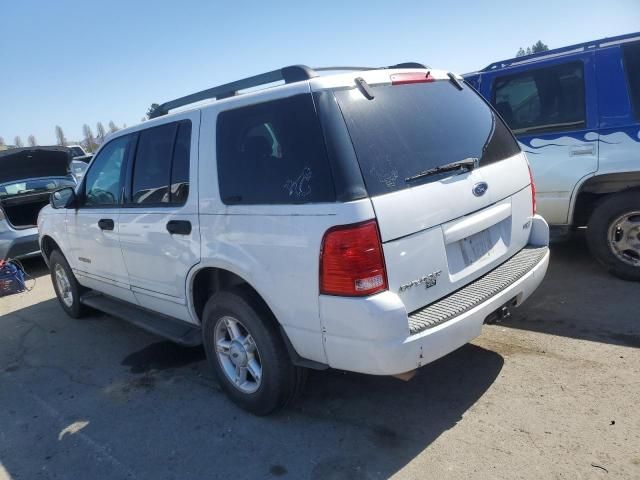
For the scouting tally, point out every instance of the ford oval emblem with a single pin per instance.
(480, 189)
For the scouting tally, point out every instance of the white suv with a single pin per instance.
(370, 221)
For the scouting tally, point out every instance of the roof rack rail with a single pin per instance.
(291, 74)
(594, 44)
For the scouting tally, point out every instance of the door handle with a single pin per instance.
(106, 224)
(580, 150)
(179, 227)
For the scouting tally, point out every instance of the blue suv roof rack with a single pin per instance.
(291, 74)
(594, 44)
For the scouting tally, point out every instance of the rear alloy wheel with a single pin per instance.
(613, 235)
(238, 355)
(67, 288)
(244, 347)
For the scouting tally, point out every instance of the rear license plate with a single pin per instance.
(476, 246)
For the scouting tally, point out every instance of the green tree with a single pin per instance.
(89, 139)
(113, 127)
(2, 144)
(152, 109)
(539, 47)
(535, 48)
(60, 138)
(101, 133)
(18, 141)
(31, 140)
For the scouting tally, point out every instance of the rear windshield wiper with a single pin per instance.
(465, 165)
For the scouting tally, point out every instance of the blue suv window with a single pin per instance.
(632, 68)
(542, 100)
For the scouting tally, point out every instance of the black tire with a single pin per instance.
(75, 309)
(281, 381)
(602, 218)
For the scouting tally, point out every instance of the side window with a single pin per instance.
(632, 68)
(152, 167)
(103, 186)
(545, 99)
(273, 153)
(180, 168)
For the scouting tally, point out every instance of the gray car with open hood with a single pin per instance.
(27, 177)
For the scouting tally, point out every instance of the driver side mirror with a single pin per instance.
(63, 198)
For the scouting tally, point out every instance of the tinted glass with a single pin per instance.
(632, 68)
(407, 129)
(546, 99)
(273, 153)
(180, 167)
(152, 168)
(102, 185)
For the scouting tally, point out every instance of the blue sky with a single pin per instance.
(73, 62)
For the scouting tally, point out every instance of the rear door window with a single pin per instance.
(632, 68)
(542, 100)
(161, 167)
(273, 153)
(152, 168)
(408, 129)
(180, 167)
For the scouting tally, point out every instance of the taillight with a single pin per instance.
(411, 77)
(351, 261)
(533, 190)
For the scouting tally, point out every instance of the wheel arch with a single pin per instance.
(594, 189)
(204, 280)
(47, 246)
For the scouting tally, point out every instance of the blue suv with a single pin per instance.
(576, 113)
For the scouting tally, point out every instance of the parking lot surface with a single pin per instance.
(552, 392)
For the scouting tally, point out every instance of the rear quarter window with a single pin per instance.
(273, 153)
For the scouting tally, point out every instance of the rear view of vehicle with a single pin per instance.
(370, 221)
(455, 237)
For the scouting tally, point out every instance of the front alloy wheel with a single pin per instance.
(67, 288)
(63, 285)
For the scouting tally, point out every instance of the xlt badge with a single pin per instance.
(428, 280)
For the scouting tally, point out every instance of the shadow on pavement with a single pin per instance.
(579, 299)
(35, 267)
(148, 409)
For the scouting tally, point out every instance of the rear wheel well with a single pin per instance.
(595, 190)
(48, 245)
(211, 280)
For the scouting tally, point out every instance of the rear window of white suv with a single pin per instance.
(408, 129)
(273, 153)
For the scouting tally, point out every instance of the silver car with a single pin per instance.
(27, 177)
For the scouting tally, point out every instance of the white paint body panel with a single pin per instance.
(276, 248)
(559, 165)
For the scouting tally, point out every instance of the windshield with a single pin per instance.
(34, 185)
(406, 130)
(77, 152)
